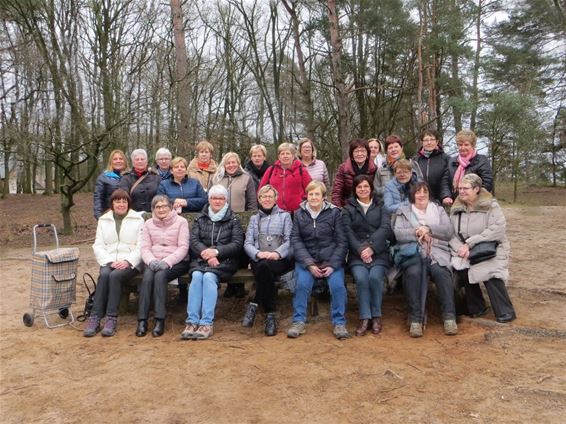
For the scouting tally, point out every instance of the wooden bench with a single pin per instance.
(242, 276)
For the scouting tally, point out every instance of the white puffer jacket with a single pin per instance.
(110, 247)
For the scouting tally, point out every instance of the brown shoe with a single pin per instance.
(362, 327)
(376, 325)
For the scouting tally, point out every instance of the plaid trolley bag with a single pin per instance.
(53, 281)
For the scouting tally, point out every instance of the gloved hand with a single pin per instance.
(162, 265)
(154, 265)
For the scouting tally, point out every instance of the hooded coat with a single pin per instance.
(290, 184)
(484, 222)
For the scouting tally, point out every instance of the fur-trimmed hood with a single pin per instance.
(484, 203)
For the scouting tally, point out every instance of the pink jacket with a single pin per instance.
(165, 240)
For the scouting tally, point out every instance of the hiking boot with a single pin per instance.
(270, 325)
(92, 326)
(249, 317)
(450, 327)
(110, 326)
(296, 329)
(189, 331)
(362, 327)
(341, 332)
(416, 329)
(376, 325)
(203, 332)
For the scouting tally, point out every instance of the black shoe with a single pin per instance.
(142, 328)
(240, 291)
(249, 316)
(506, 318)
(159, 328)
(480, 313)
(270, 325)
(230, 291)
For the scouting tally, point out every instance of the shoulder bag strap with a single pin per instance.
(138, 181)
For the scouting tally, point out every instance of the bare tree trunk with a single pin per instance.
(475, 76)
(182, 78)
(341, 92)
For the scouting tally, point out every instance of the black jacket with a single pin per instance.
(435, 171)
(320, 241)
(226, 236)
(478, 165)
(371, 229)
(105, 185)
(144, 191)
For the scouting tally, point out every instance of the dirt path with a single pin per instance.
(488, 373)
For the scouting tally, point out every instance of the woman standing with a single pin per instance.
(257, 164)
(163, 162)
(240, 185)
(369, 235)
(359, 163)
(141, 182)
(117, 251)
(424, 227)
(477, 217)
(217, 238)
(319, 244)
(289, 177)
(164, 249)
(433, 163)
(468, 161)
(203, 167)
(185, 193)
(316, 167)
(268, 246)
(375, 154)
(108, 181)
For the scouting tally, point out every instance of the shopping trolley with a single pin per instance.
(53, 281)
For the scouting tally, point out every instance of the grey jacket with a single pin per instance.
(277, 223)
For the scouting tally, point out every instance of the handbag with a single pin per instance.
(89, 302)
(406, 255)
(482, 251)
(269, 242)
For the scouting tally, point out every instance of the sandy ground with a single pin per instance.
(488, 373)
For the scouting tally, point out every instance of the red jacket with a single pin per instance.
(342, 190)
(289, 183)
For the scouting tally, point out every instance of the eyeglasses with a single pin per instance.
(217, 199)
(267, 196)
(360, 150)
(464, 188)
(162, 206)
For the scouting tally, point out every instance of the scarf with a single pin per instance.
(425, 153)
(258, 172)
(139, 173)
(391, 161)
(463, 163)
(114, 174)
(428, 217)
(360, 170)
(266, 211)
(203, 165)
(215, 217)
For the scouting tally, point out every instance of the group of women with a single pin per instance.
(386, 211)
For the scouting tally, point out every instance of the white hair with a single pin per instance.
(163, 151)
(218, 190)
(138, 152)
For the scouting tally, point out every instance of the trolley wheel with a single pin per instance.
(28, 320)
(64, 313)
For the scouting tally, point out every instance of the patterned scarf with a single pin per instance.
(463, 163)
(391, 161)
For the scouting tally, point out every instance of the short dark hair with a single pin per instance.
(392, 139)
(417, 187)
(431, 133)
(120, 194)
(358, 142)
(358, 179)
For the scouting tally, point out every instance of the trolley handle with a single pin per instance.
(53, 229)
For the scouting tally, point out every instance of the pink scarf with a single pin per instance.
(463, 163)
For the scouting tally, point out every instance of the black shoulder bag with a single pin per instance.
(482, 251)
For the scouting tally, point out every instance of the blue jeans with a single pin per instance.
(369, 289)
(338, 295)
(203, 293)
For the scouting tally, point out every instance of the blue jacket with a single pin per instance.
(320, 241)
(397, 194)
(105, 185)
(189, 189)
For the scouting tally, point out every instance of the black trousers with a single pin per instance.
(266, 272)
(154, 285)
(415, 276)
(497, 292)
(109, 290)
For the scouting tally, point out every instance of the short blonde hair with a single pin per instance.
(178, 159)
(287, 146)
(112, 153)
(303, 141)
(259, 147)
(403, 164)
(204, 145)
(313, 185)
(265, 189)
(466, 135)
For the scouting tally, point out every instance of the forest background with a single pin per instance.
(80, 78)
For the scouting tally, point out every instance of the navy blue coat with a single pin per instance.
(321, 241)
(479, 165)
(435, 171)
(371, 229)
(189, 189)
(105, 185)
